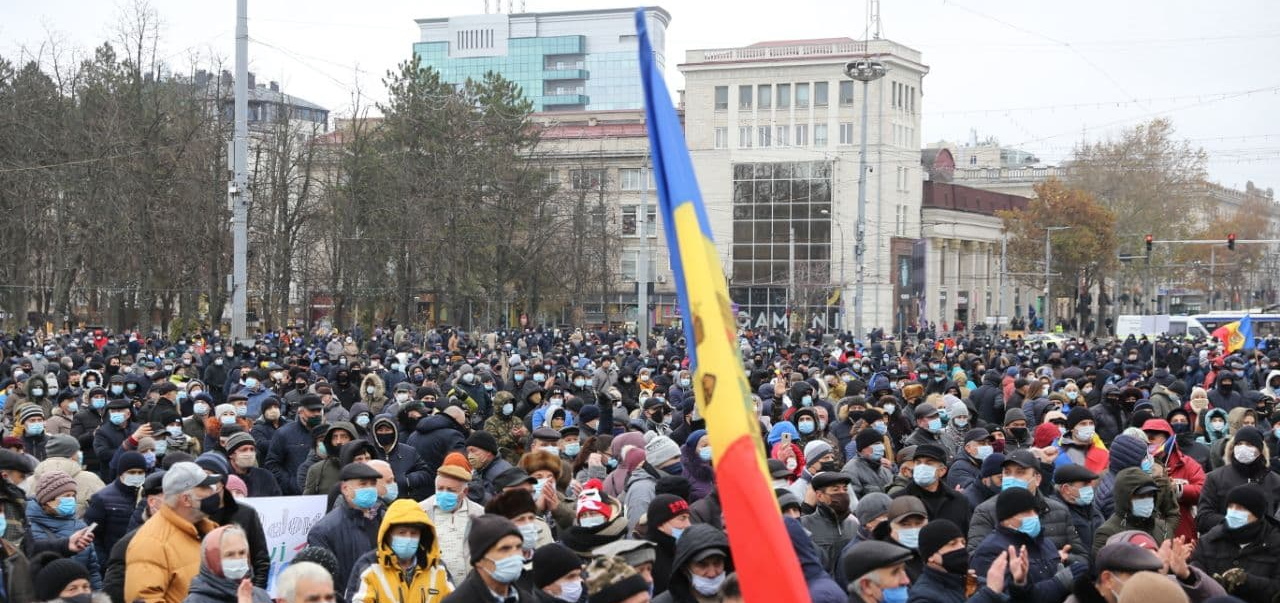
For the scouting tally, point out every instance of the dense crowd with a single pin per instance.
(572, 465)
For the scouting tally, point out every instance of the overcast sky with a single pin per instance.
(1038, 75)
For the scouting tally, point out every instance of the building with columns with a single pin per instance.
(774, 131)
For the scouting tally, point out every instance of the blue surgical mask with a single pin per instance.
(924, 474)
(909, 537)
(684, 383)
(1073, 395)
(897, 594)
(365, 498)
(985, 451)
(704, 453)
(4, 524)
(150, 457)
(507, 570)
(1237, 518)
(251, 383)
(676, 532)
(1147, 465)
(960, 422)
(582, 382)
(35, 429)
(393, 492)
(612, 463)
(98, 403)
(877, 452)
(1014, 482)
(1086, 496)
(806, 401)
(1084, 433)
(935, 425)
(572, 449)
(362, 420)
(880, 427)
(116, 390)
(447, 501)
(117, 418)
(405, 547)
(1144, 507)
(806, 427)
(1030, 526)
(227, 419)
(66, 506)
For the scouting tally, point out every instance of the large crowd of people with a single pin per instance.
(571, 465)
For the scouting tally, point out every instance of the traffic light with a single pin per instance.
(1231, 241)
(1148, 238)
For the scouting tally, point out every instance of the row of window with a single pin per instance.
(782, 136)
(629, 179)
(766, 96)
(904, 97)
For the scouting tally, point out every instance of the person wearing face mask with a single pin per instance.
(373, 392)
(1183, 425)
(831, 524)
(946, 566)
(978, 445)
(701, 565)
(113, 506)
(1022, 470)
(869, 470)
(506, 427)
(486, 465)
(401, 395)
(452, 512)
(1141, 503)
(557, 575)
(927, 484)
(1240, 552)
(1050, 572)
(668, 519)
(1186, 475)
(63, 454)
(341, 444)
(224, 565)
(85, 422)
(243, 456)
(662, 459)
(1225, 393)
(51, 513)
(957, 425)
(1081, 444)
(1074, 487)
(163, 556)
(1247, 463)
(496, 563)
(878, 572)
(112, 435)
(59, 421)
(1236, 418)
(349, 529)
(406, 565)
(265, 427)
(410, 471)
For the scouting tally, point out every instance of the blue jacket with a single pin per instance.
(112, 509)
(263, 434)
(934, 586)
(348, 534)
(1047, 578)
(43, 526)
(289, 448)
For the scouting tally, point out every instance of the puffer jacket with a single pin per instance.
(822, 588)
(111, 508)
(348, 533)
(1255, 548)
(694, 540)
(86, 483)
(641, 485)
(1211, 509)
(434, 438)
(43, 526)
(868, 476)
(378, 577)
(409, 468)
(290, 447)
(1047, 579)
(163, 558)
(106, 442)
(829, 533)
(1126, 452)
(1163, 521)
(1055, 522)
(935, 586)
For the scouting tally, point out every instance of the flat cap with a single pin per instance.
(931, 451)
(358, 471)
(1023, 458)
(830, 478)
(547, 434)
(1071, 472)
(976, 434)
(870, 555)
(926, 410)
(906, 506)
(1128, 558)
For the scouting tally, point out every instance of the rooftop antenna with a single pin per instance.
(873, 18)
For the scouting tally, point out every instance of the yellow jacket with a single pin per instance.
(163, 558)
(385, 582)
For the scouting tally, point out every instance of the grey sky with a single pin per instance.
(1038, 75)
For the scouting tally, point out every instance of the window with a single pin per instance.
(587, 180)
(722, 138)
(722, 98)
(744, 97)
(846, 94)
(784, 136)
(630, 220)
(764, 96)
(894, 102)
(784, 96)
(819, 94)
(846, 133)
(744, 137)
(802, 135)
(764, 136)
(631, 179)
(780, 209)
(820, 135)
(802, 96)
(629, 270)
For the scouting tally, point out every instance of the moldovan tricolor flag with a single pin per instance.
(762, 553)
(1236, 335)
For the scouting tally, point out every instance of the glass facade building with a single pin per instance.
(563, 61)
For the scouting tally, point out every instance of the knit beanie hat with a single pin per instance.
(1249, 435)
(591, 499)
(223, 409)
(320, 556)
(51, 574)
(484, 441)
(660, 449)
(867, 437)
(50, 485)
(1044, 435)
(1014, 501)
(551, 562)
(1077, 415)
(1014, 414)
(131, 460)
(992, 465)
(664, 507)
(871, 506)
(235, 485)
(815, 450)
(30, 411)
(1126, 451)
(611, 580)
(486, 531)
(61, 446)
(1249, 496)
(936, 534)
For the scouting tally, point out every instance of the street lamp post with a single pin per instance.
(864, 70)
(1048, 279)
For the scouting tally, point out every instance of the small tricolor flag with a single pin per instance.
(763, 556)
(1236, 335)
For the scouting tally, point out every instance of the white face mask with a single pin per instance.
(235, 569)
(1245, 454)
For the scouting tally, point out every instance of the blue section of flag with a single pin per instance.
(1246, 331)
(672, 168)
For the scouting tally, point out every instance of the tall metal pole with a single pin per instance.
(1048, 304)
(860, 234)
(1213, 261)
(1004, 250)
(791, 276)
(239, 189)
(642, 265)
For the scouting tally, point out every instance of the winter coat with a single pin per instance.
(1227, 399)
(410, 470)
(1220, 448)
(259, 481)
(263, 432)
(43, 526)
(18, 584)
(235, 512)
(451, 528)
(163, 558)
(378, 398)
(1163, 520)
(1125, 453)
(474, 590)
(935, 586)
(111, 508)
(822, 588)
(1055, 525)
(829, 533)
(1180, 466)
(640, 489)
(290, 446)
(502, 428)
(708, 511)
(989, 398)
(977, 493)
(209, 588)
(1212, 507)
(1047, 579)
(1096, 457)
(378, 577)
(868, 476)
(348, 533)
(963, 471)
(1255, 548)
(1085, 519)
(1109, 419)
(434, 438)
(106, 442)
(944, 503)
(86, 483)
(694, 540)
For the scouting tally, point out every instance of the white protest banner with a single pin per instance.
(286, 520)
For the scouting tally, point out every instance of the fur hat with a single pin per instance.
(540, 459)
(511, 504)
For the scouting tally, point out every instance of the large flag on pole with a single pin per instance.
(1237, 335)
(762, 553)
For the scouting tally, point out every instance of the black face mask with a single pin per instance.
(210, 505)
(1019, 433)
(956, 562)
(385, 439)
(829, 466)
(301, 385)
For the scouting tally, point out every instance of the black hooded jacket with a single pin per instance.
(410, 470)
(694, 540)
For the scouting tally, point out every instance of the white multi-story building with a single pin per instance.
(774, 132)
